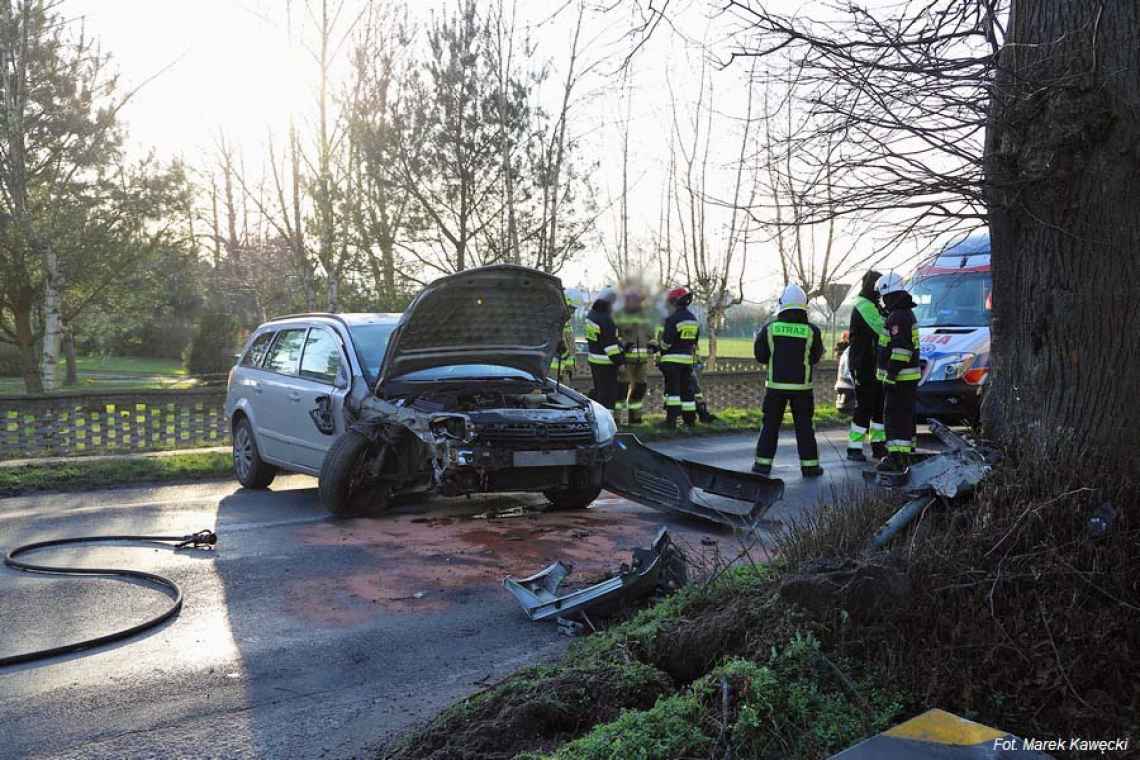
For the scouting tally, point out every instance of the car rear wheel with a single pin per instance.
(251, 470)
(348, 485)
(561, 500)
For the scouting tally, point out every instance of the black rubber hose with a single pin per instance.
(195, 540)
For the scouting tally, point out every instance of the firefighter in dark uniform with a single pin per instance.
(679, 336)
(900, 371)
(562, 365)
(790, 346)
(703, 414)
(606, 354)
(867, 328)
(635, 330)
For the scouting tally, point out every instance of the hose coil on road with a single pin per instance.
(197, 540)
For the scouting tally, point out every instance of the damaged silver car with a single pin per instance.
(460, 403)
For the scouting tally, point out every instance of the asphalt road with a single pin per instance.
(302, 636)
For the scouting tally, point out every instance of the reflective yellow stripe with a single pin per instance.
(809, 463)
(613, 349)
(599, 359)
(878, 434)
(764, 461)
(672, 401)
(676, 359)
(901, 354)
(688, 406)
(871, 315)
(909, 373)
(789, 386)
(634, 406)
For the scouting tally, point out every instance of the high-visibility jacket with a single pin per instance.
(790, 346)
(899, 359)
(635, 331)
(867, 327)
(679, 337)
(602, 336)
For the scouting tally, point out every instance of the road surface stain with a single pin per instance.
(410, 563)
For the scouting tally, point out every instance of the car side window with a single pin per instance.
(257, 350)
(286, 352)
(321, 359)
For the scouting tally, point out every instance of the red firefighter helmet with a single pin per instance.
(679, 296)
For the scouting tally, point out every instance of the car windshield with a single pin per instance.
(371, 340)
(467, 372)
(953, 300)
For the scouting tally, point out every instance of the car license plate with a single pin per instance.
(546, 458)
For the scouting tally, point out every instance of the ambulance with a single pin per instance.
(954, 296)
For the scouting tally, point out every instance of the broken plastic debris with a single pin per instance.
(538, 593)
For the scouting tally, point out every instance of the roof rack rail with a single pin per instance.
(324, 314)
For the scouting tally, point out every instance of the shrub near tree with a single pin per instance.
(211, 349)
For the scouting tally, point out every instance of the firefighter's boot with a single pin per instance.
(879, 450)
(894, 463)
(856, 455)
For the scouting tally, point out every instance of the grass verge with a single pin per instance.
(730, 420)
(710, 671)
(83, 474)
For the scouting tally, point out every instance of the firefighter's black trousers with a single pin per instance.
(867, 419)
(679, 390)
(803, 407)
(898, 415)
(605, 384)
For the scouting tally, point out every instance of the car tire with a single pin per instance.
(249, 468)
(566, 500)
(339, 486)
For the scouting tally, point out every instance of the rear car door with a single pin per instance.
(275, 405)
(316, 398)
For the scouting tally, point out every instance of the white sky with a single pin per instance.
(229, 64)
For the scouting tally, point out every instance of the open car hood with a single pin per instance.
(503, 314)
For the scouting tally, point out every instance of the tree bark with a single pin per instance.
(1062, 157)
(53, 325)
(26, 342)
(72, 377)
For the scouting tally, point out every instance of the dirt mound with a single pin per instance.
(535, 709)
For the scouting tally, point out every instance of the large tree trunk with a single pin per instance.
(72, 376)
(53, 323)
(26, 343)
(1064, 162)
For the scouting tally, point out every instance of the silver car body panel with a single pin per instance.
(504, 315)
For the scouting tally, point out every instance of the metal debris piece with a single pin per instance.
(538, 593)
(571, 628)
(947, 474)
(502, 514)
(729, 497)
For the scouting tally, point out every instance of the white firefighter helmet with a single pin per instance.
(793, 297)
(607, 294)
(891, 282)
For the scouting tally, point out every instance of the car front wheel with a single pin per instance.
(561, 500)
(348, 482)
(250, 469)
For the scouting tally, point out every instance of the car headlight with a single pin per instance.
(951, 367)
(605, 427)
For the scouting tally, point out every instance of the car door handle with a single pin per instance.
(294, 396)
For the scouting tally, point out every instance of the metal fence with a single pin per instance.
(115, 422)
(120, 422)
